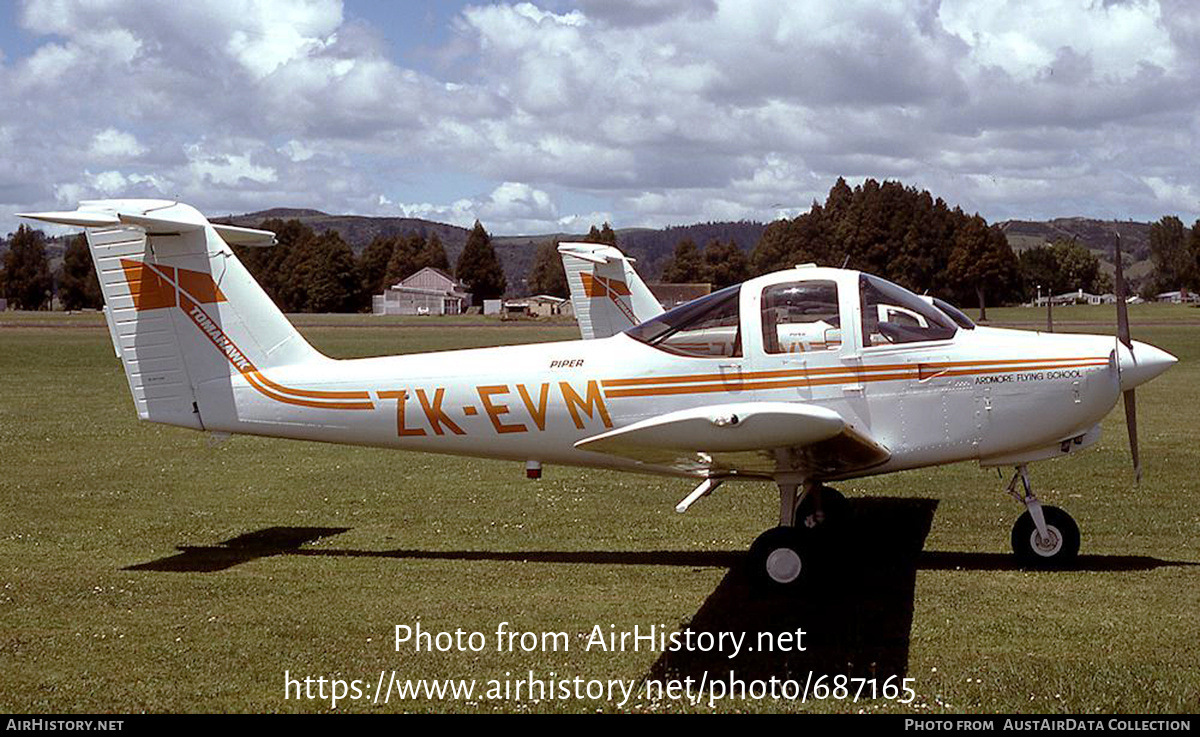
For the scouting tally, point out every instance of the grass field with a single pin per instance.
(148, 568)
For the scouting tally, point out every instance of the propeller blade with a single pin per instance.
(1131, 425)
(1123, 336)
(1122, 296)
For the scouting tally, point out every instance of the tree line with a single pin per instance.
(1175, 251)
(901, 233)
(305, 272)
(310, 272)
(897, 232)
(27, 283)
(914, 239)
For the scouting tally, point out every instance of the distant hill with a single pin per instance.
(652, 247)
(1095, 235)
(358, 230)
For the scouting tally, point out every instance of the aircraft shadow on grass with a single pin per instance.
(857, 611)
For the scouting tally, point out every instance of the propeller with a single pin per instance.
(1123, 336)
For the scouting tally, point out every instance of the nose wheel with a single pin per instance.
(1043, 537)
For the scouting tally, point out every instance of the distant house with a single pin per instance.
(539, 305)
(1180, 296)
(1079, 297)
(430, 291)
(673, 295)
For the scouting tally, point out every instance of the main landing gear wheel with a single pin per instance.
(779, 557)
(1057, 549)
(834, 510)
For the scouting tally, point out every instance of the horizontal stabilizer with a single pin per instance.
(592, 252)
(152, 224)
(78, 218)
(236, 236)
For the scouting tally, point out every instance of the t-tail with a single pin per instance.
(606, 293)
(174, 291)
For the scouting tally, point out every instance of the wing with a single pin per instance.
(751, 438)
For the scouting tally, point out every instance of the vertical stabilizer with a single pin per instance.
(181, 309)
(607, 295)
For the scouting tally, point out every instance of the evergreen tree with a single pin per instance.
(78, 286)
(804, 239)
(1170, 254)
(374, 263)
(27, 280)
(479, 268)
(273, 267)
(548, 275)
(725, 264)
(607, 235)
(406, 258)
(1193, 282)
(686, 265)
(434, 254)
(898, 232)
(334, 283)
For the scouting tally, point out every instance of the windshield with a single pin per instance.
(707, 327)
(892, 314)
(955, 314)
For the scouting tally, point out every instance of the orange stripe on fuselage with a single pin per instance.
(1015, 363)
(754, 381)
(313, 394)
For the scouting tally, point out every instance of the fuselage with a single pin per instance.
(982, 394)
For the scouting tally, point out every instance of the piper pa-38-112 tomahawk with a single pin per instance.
(801, 377)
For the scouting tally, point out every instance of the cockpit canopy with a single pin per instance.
(801, 315)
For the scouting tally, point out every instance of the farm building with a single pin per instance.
(539, 305)
(1180, 296)
(430, 291)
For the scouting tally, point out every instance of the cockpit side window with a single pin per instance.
(799, 317)
(892, 314)
(708, 327)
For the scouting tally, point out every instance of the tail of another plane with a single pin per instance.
(183, 312)
(606, 293)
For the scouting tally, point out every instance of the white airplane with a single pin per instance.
(713, 390)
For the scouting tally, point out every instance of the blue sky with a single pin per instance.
(541, 117)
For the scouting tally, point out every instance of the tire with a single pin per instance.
(835, 510)
(780, 558)
(1064, 545)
